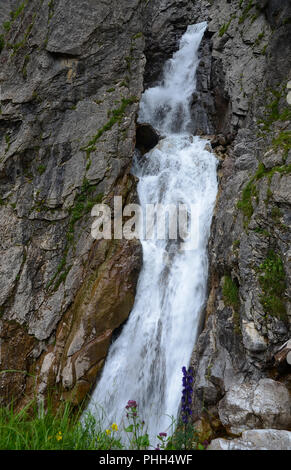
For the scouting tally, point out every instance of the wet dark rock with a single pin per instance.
(146, 137)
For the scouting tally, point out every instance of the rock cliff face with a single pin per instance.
(248, 313)
(71, 78)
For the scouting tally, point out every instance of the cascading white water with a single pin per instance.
(145, 361)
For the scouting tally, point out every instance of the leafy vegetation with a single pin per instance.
(283, 140)
(230, 294)
(137, 35)
(83, 204)
(245, 11)
(224, 28)
(116, 117)
(2, 42)
(33, 428)
(273, 284)
(272, 110)
(14, 15)
(245, 203)
(41, 169)
(250, 191)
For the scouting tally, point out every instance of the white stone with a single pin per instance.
(252, 339)
(266, 404)
(257, 439)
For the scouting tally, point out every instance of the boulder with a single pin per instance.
(257, 439)
(266, 404)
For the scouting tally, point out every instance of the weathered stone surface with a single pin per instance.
(242, 332)
(71, 78)
(266, 404)
(257, 439)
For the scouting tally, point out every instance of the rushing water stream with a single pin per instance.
(144, 363)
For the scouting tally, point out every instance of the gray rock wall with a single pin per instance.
(71, 77)
(248, 315)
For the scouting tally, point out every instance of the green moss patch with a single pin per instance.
(116, 117)
(273, 284)
(230, 295)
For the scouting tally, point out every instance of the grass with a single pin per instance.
(32, 428)
(230, 294)
(41, 169)
(13, 16)
(116, 117)
(83, 204)
(245, 12)
(224, 28)
(245, 203)
(272, 110)
(273, 284)
(36, 428)
(2, 42)
(283, 140)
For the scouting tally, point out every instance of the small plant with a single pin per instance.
(32, 428)
(137, 35)
(2, 42)
(41, 169)
(230, 294)
(187, 391)
(245, 12)
(224, 28)
(283, 140)
(14, 14)
(245, 203)
(117, 115)
(7, 26)
(185, 435)
(273, 284)
(138, 438)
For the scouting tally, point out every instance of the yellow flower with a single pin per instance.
(114, 427)
(108, 432)
(59, 436)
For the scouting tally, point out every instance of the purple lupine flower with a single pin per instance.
(187, 391)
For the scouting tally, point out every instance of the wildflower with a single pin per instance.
(205, 444)
(114, 427)
(131, 404)
(59, 436)
(108, 432)
(187, 382)
(163, 434)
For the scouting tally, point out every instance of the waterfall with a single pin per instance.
(145, 361)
